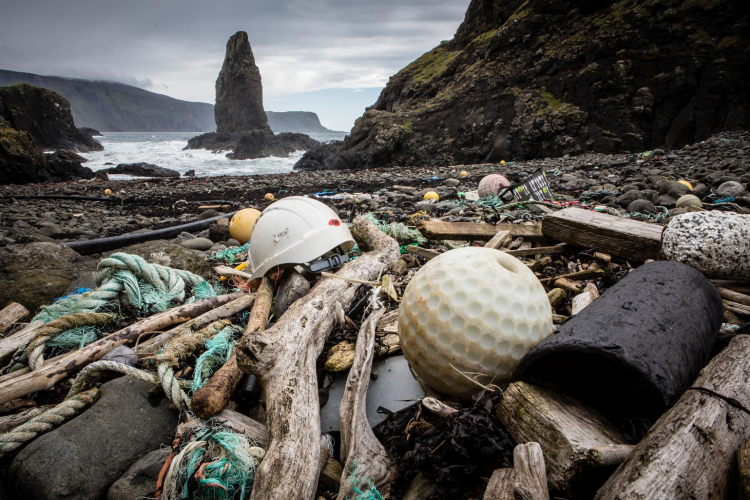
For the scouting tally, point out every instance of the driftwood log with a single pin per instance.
(575, 439)
(242, 424)
(292, 286)
(743, 467)
(501, 239)
(501, 484)
(69, 364)
(12, 314)
(213, 396)
(358, 443)
(530, 478)
(284, 358)
(238, 303)
(625, 238)
(690, 450)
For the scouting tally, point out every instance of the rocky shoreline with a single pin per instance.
(143, 204)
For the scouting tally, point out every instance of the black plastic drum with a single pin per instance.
(632, 350)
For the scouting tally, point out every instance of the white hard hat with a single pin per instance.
(295, 230)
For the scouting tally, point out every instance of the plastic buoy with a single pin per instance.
(490, 185)
(464, 173)
(431, 195)
(683, 181)
(269, 197)
(242, 224)
(108, 192)
(688, 200)
(472, 311)
(502, 162)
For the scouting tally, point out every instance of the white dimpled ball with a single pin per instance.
(477, 309)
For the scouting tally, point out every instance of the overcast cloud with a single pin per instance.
(304, 49)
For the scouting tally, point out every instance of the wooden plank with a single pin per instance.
(625, 238)
(501, 239)
(561, 248)
(422, 252)
(588, 274)
(12, 314)
(439, 230)
(242, 424)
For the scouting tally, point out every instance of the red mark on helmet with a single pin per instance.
(334, 222)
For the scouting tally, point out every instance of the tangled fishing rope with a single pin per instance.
(147, 286)
(45, 422)
(221, 462)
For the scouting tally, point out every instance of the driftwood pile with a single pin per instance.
(522, 441)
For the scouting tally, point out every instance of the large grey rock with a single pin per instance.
(82, 458)
(36, 273)
(140, 480)
(179, 256)
(731, 188)
(715, 243)
(142, 170)
(394, 388)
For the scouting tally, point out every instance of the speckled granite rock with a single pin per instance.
(715, 243)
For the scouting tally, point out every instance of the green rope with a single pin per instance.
(218, 351)
(124, 278)
(397, 230)
(230, 254)
(369, 491)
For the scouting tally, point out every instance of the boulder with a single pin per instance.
(178, 256)
(142, 170)
(35, 273)
(641, 207)
(81, 459)
(715, 243)
(201, 244)
(140, 480)
(219, 230)
(730, 188)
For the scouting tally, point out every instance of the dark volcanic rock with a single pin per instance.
(241, 122)
(545, 78)
(239, 90)
(91, 132)
(46, 116)
(22, 161)
(81, 459)
(142, 170)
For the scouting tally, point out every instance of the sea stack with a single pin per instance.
(239, 90)
(241, 122)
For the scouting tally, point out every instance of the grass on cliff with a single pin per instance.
(431, 64)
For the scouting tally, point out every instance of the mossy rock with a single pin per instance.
(35, 274)
(179, 257)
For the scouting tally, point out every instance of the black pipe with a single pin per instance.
(89, 247)
(634, 348)
(59, 197)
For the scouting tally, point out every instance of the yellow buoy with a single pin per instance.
(431, 195)
(464, 174)
(683, 181)
(241, 225)
(502, 162)
(269, 197)
(108, 192)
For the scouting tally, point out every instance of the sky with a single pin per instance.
(328, 56)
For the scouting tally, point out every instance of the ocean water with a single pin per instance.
(165, 150)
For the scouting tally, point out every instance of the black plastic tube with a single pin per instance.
(99, 245)
(59, 197)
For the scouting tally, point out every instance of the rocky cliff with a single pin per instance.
(538, 78)
(46, 116)
(33, 119)
(241, 122)
(115, 107)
